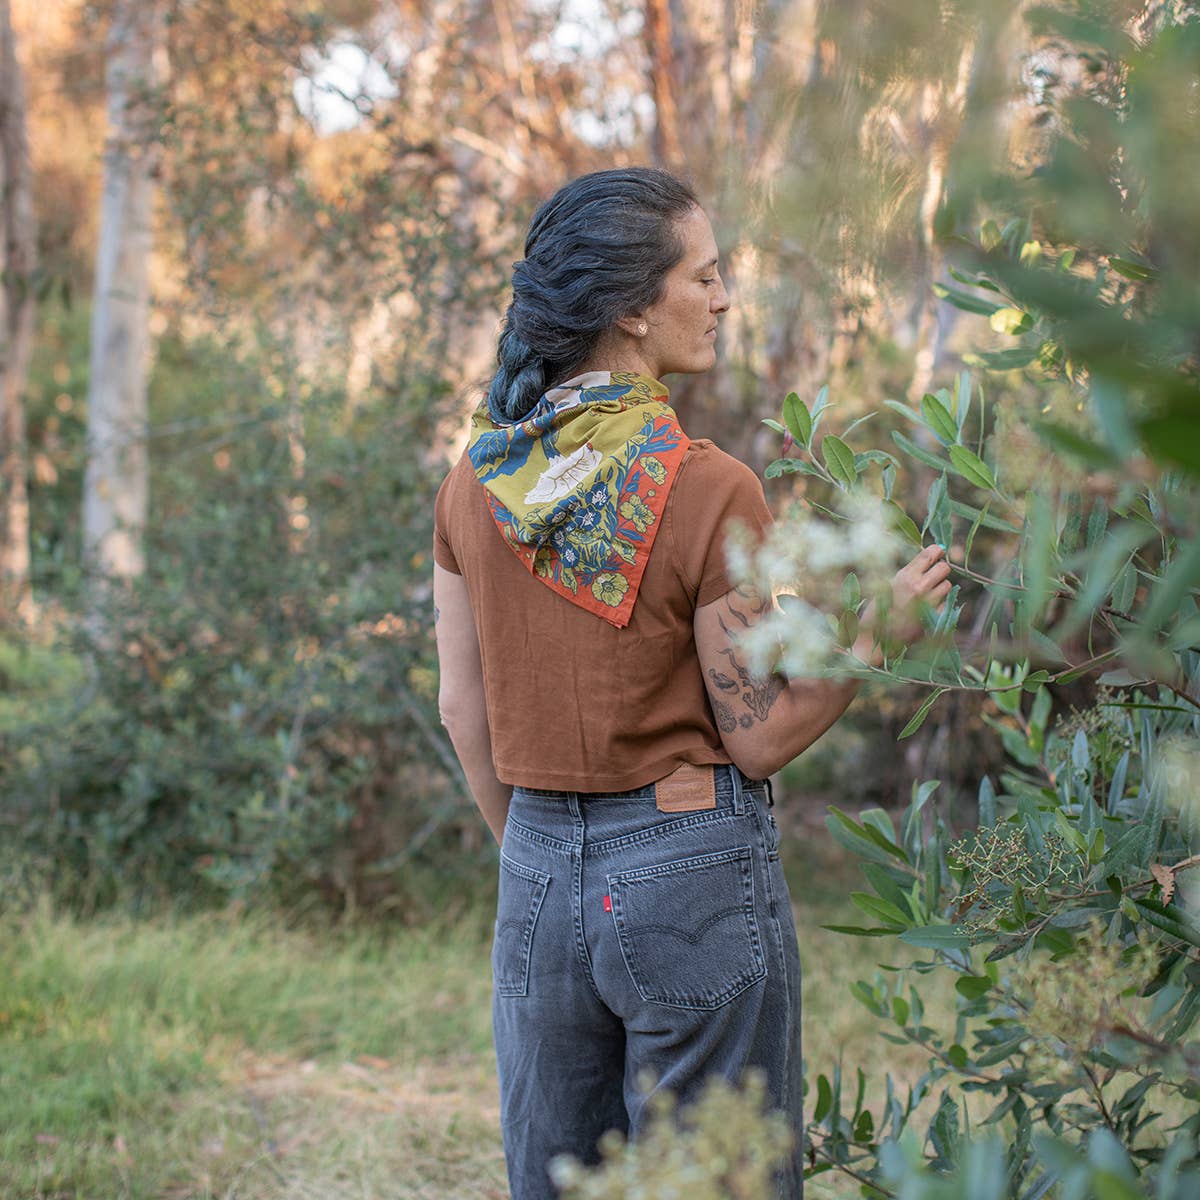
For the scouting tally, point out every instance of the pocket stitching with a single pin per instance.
(541, 881)
(757, 968)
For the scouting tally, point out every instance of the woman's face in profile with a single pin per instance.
(682, 324)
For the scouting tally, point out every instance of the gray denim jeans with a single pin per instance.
(630, 940)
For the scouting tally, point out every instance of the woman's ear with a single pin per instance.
(634, 325)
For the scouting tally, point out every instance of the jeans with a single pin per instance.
(631, 940)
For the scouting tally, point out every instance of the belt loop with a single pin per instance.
(739, 796)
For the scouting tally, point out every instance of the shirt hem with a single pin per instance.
(566, 781)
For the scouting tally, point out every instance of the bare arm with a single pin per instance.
(765, 722)
(461, 697)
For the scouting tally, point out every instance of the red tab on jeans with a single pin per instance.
(608, 904)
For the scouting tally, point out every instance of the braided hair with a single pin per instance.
(597, 250)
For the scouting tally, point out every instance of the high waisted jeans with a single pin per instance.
(630, 940)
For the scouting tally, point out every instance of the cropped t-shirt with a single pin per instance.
(573, 703)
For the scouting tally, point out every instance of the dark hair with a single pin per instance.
(597, 251)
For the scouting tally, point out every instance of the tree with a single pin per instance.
(18, 254)
(116, 483)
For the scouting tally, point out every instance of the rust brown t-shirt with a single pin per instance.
(573, 703)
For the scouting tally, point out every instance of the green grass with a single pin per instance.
(238, 1055)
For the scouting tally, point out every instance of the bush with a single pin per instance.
(258, 710)
(1069, 918)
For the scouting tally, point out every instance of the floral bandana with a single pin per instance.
(578, 488)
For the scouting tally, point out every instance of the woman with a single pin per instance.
(593, 687)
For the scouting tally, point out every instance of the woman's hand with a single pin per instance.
(924, 579)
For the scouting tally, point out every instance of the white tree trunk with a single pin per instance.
(18, 252)
(116, 478)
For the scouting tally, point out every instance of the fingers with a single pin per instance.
(923, 559)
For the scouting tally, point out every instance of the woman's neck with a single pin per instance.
(617, 352)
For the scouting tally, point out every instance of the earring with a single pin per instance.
(642, 327)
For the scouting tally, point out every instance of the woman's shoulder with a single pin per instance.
(706, 465)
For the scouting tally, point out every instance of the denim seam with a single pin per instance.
(539, 839)
(541, 882)
(530, 873)
(696, 862)
(654, 832)
(577, 852)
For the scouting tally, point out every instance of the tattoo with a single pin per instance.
(723, 681)
(758, 606)
(726, 721)
(758, 693)
(437, 612)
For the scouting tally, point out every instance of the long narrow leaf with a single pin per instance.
(918, 718)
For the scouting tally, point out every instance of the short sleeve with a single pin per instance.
(713, 494)
(443, 552)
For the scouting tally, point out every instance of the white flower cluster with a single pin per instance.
(802, 562)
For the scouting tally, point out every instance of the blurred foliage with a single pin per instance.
(1069, 917)
(723, 1146)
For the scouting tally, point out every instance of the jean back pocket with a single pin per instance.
(522, 890)
(687, 928)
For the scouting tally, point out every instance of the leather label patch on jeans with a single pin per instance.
(687, 789)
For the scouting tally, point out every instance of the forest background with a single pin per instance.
(255, 256)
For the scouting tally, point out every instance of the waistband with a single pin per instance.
(730, 781)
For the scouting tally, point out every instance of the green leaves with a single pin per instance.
(903, 523)
(971, 467)
(937, 937)
(866, 839)
(1011, 321)
(964, 300)
(918, 718)
(839, 459)
(796, 417)
(938, 418)
(1128, 269)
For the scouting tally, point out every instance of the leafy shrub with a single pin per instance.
(259, 709)
(1069, 917)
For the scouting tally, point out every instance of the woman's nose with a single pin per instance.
(721, 299)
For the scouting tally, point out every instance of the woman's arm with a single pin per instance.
(766, 722)
(461, 698)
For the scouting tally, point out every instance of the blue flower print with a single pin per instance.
(570, 556)
(598, 496)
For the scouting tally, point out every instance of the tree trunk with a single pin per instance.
(116, 478)
(18, 253)
(942, 116)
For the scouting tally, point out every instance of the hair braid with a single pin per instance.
(596, 251)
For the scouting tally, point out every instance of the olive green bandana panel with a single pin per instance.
(578, 488)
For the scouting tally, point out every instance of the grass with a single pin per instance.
(239, 1055)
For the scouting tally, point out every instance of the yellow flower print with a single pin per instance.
(654, 468)
(542, 564)
(610, 588)
(624, 549)
(637, 512)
